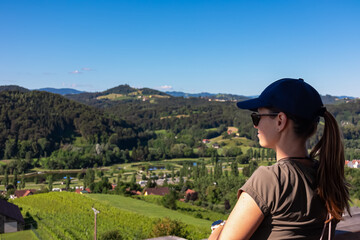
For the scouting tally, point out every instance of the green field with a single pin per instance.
(23, 235)
(148, 209)
(65, 215)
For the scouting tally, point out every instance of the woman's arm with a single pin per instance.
(244, 219)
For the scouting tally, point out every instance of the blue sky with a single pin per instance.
(193, 46)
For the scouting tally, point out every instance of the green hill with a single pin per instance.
(36, 123)
(13, 88)
(123, 93)
(65, 215)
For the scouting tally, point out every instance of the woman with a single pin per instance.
(303, 195)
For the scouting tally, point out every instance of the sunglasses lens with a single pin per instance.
(255, 118)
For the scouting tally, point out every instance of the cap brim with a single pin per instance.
(251, 104)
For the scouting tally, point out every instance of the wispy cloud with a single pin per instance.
(166, 87)
(75, 72)
(87, 69)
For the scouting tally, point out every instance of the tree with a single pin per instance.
(15, 179)
(242, 159)
(10, 148)
(213, 194)
(50, 180)
(68, 182)
(6, 177)
(23, 180)
(89, 177)
(234, 169)
(102, 186)
(133, 179)
(248, 170)
(169, 200)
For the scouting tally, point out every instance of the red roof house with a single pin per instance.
(24, 192)
(191, 195)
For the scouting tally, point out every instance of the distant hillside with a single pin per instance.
(37, 122)
(127, 90)
(61, 91)
(13, 88)
(119, 93)
(220, 96)
(187, 95)
(328, 99)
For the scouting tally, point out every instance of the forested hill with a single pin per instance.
(120, 93)
(61, 91)
(37, 122)
(126, 89)
(13, 88)
(220, 96)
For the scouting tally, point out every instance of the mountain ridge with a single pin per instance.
(126, 89)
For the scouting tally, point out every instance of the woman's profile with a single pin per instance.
(304, 194)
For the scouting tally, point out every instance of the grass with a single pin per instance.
(211, 129)
(23, 235)
(112, 96)
(162, 131)
(187, 208)
(240, 142)
(148, 209)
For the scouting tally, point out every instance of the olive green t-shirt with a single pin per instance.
(285, 193)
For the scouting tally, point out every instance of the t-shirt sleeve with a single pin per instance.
(263, 187)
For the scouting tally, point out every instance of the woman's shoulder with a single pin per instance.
(278, 172)
(266, 174)
(274, 169)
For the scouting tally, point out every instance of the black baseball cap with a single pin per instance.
(293, 96)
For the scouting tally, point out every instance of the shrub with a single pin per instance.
(166, 227)
(169, 200)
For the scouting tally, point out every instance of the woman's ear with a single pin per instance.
(281, 121)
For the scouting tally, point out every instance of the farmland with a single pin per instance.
(70, 216)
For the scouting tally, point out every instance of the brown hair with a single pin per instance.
(332, 186)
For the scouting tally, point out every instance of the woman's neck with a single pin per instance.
(294, 148)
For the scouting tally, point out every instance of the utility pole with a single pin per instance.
(96, 212)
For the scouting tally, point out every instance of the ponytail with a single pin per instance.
(332, 186)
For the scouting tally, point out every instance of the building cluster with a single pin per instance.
(353, 163)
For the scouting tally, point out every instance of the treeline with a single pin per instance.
(348, 116)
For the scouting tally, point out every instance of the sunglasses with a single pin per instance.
(257, 116)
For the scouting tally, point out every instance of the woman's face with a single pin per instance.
(267, 129)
